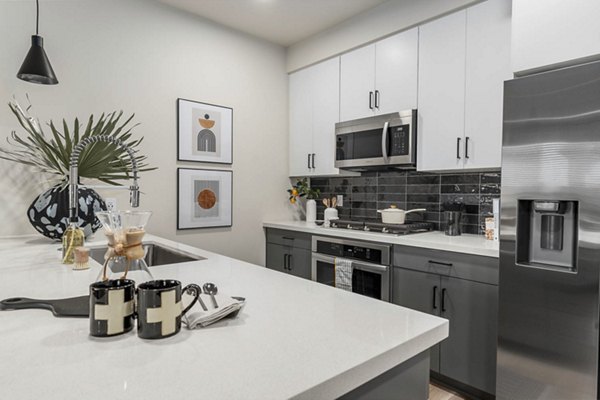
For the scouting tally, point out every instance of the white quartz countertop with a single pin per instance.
(435, 240)
(294, 338)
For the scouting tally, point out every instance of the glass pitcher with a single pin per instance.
(124, 258)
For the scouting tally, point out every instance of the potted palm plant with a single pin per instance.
(50, 155)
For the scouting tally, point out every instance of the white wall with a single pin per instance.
(388, 18)
(140, 56)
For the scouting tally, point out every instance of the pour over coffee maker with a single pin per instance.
(124, 258)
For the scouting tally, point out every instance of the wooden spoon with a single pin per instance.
(333, 201)
(326, 202)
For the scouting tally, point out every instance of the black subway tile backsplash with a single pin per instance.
(490, 177)
(391, 197)
(414, 178)
(415, 189)
(373, 191)
(452, 179)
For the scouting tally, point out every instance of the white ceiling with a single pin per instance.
(283, 22)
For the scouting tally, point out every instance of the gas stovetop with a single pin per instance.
(392, 229)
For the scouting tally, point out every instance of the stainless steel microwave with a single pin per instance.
(379, 142)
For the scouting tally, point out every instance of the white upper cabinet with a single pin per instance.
(357, 81)
(452, 70)
(314, 111)
(396, 69)
(380, 78)
(326, 111)
(301, 117)
(551, 33)
(487, 67)
(441, 111)
(464, 59)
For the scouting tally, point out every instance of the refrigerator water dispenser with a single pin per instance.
(547, 234)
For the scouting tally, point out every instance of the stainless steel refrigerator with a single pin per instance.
(550, 236)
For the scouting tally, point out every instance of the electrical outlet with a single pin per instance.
(111, 204)
(340, 200)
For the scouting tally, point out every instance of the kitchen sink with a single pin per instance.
(155, 254)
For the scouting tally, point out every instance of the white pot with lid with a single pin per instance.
(395, 215)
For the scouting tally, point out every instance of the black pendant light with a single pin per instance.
(36, 67)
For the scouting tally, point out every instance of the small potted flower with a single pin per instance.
(303, 189)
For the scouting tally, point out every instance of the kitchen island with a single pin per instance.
(294, 338)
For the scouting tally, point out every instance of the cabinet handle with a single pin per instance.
(290, 262)
(444, 300)
(285, 261)
(440, 263)
(308, 162)
(377, 99)
(458, 148)
(467, 147)
(371, 100)
(435, 288)
(313, 160)
(287, 238)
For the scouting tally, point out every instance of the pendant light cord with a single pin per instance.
(37, 17)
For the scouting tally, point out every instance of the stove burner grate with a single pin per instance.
(394, 229)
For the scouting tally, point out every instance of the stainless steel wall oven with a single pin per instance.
(371, 264)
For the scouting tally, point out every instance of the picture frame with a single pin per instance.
(204, 198)
(204, 132)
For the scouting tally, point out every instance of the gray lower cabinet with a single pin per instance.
(289, 252)
(419, 291)
(463, 289)
(469, 353)
(277, 256)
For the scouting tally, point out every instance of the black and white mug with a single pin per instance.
(159, 307)
(112, 307)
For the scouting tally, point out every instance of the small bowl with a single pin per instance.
(319, 222)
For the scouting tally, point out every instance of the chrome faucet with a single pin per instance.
(134, 189)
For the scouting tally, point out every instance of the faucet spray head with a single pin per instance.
(134, 196)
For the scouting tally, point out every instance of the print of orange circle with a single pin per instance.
(207, 199)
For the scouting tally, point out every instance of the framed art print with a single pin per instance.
(204, 132)
(204, 198)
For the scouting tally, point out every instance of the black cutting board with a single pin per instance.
(71, 307)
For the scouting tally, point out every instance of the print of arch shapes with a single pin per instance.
(207, 141)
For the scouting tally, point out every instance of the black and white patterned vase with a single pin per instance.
(49, 212)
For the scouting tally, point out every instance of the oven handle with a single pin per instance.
(360, 265)
(384, 139)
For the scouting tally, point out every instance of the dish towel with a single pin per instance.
(228, 306)
(343, 274)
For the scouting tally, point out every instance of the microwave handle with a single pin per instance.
(384, 139)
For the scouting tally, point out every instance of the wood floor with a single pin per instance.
(439, 393)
